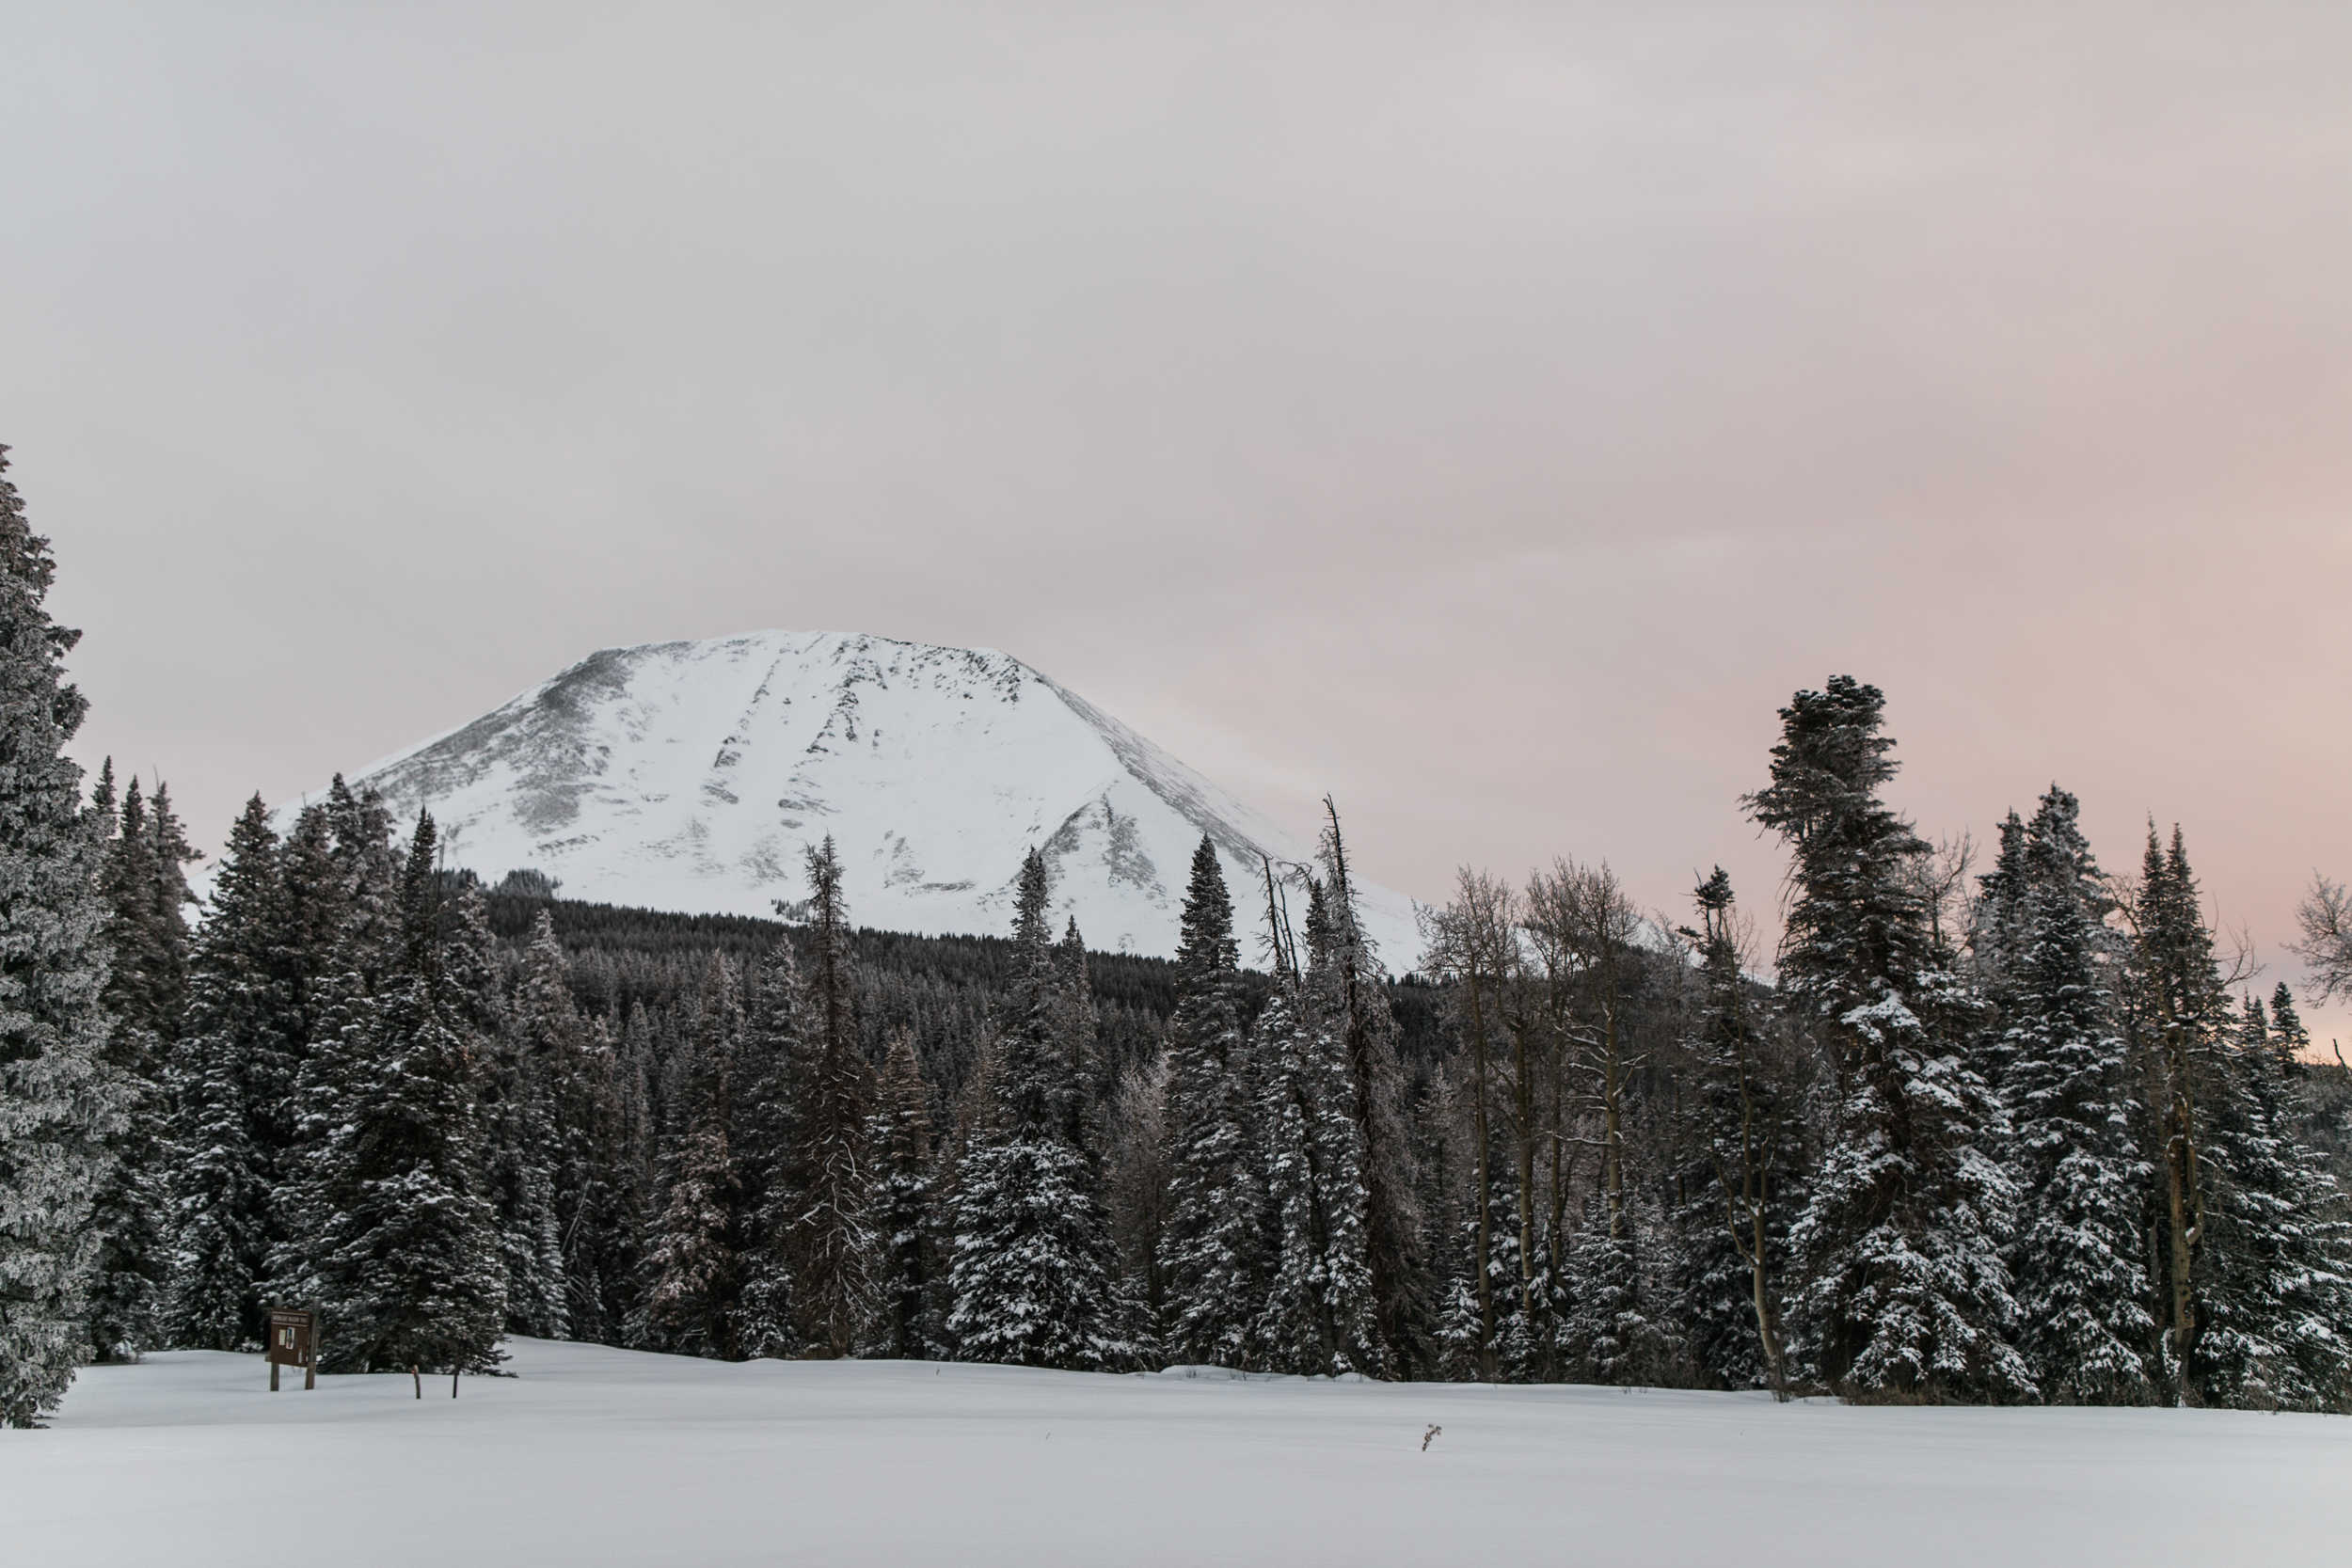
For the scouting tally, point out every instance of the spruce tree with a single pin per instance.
(902, 1205)
(2178, 1017)
(145, 889)
(1899, 1247)
(696, 1262)
(1031, 1281)
(1212, 1243)
(829, 1234)
(774, 1064)
(2275, 1288)
(1318, 1316)
(1745, 1147)
(2081, 1285)
(572, 1065)
(59, 1104)
(403, 1242)
(521, 1147)
(1343, 994)
(238, 1016)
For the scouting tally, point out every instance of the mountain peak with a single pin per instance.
(691, 776)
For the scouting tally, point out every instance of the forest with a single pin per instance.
(2023, 1133)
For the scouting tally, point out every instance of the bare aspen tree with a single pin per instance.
(1473, 944)
(1588, 918)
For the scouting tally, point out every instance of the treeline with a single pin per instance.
(2010, 1136)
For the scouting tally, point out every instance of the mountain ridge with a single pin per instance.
(689, 775)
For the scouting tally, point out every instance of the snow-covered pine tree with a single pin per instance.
(402, 1246)
(1076, 1021)
(1900, 1244)
(59, 1104)
(1744, 1138)
(572, 1064)
(1031, 1281)
(145, 889)
(2081, 1286)
(2178, 1017)
(772, 1065)
(1344, 993)
(829, 1234)
(237, 1014)
(901, 1142)
(2276, 1292)
(522, 1147)
(1212, 1244)
(1617, 1329)
(695, 1259)
(1318, 1317)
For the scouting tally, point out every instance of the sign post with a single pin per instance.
(293, 1342)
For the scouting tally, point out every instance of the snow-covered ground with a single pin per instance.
(593, 1456)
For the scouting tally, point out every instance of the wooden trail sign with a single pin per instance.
(293, 1342)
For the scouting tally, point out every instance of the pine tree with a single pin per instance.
(2080, 1283)
(696, 1257)
(776, 1064)
(1212, 1243)
(1031, 1281)
(521, 1147)
(2178, 1017)
(901, 1141)
(1899, 1244)
(59, 1102)
(1318, 1317)
(1745, 1137)
(2275, 1288)
(238, 1016)
(403, 1243)
(144, 889)
(1615, 1330)
(1343, 994)
(829, 1235)
(572, 1065)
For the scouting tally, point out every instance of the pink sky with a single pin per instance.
(1488, 414)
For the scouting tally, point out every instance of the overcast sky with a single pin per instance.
(1488, 414)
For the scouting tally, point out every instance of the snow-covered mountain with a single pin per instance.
(689, 776)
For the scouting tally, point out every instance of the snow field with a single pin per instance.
(596, 1456)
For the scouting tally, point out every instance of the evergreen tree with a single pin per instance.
(2080, 1283)
(828, 1236)
(2275, 1288)
(572, 1067)
(901, 1141)
(521, 1147)
(402, 1244)
(144, 889)
(696, 1257)
(1614, 1330)
(237, 1017)
(776, 1063)
(1213, 1242)
(59, 1104)
(1343, 994)
(1031, 1281)
(2179, 1019)
(1318, 1315)
(1899, 1244)
(1746, 1151)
